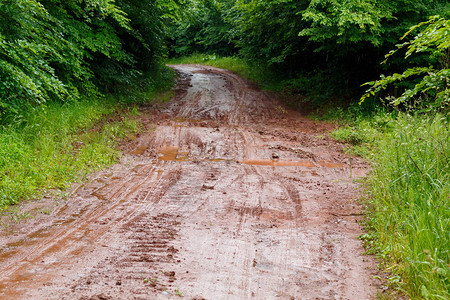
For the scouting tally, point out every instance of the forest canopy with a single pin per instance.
(309, 42)
(64, 50)
(54, 50)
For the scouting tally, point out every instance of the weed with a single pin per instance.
(281, 110)
(17, 215)
(4, 226)
(178, 293)
(45, 211)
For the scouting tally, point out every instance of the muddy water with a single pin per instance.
(279, 163)
(200, 208)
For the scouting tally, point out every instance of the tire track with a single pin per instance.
(230, 197)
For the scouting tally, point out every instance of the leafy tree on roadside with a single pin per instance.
(204, 28)
(333, 22)
(433, 84)
(53, 50)
(46, 49)
(323, 48)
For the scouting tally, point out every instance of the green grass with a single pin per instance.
(55, 145)
(408, 198)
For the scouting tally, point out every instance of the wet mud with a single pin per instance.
(228, 195)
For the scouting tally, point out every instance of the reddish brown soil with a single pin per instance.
(227, 196)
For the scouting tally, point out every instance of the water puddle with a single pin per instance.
(139, 150)
(331, 165)
(279, 163)
(284, 163)
(168, 153)
(172, 154)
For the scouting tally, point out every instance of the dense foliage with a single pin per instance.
(59, 50)
(204, 29)
(324, 49)
(433, 88)
(321, 49)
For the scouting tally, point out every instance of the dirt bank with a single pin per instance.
(228, 196)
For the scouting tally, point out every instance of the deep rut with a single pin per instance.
(230, 197)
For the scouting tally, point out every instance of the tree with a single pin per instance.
(433, 81)
(204, 28)
(45, 48)
(53, 50)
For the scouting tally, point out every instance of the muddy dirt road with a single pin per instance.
(228, 196)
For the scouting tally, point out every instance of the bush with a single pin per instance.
(430, 84)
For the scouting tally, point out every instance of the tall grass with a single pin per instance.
(408, 198)
(55, 145)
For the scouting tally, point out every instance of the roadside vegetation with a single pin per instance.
(407, 198)
(71, 74)
(380, 68)
(54, 148)
(57, 144)
(408, 204)
(408, 192)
